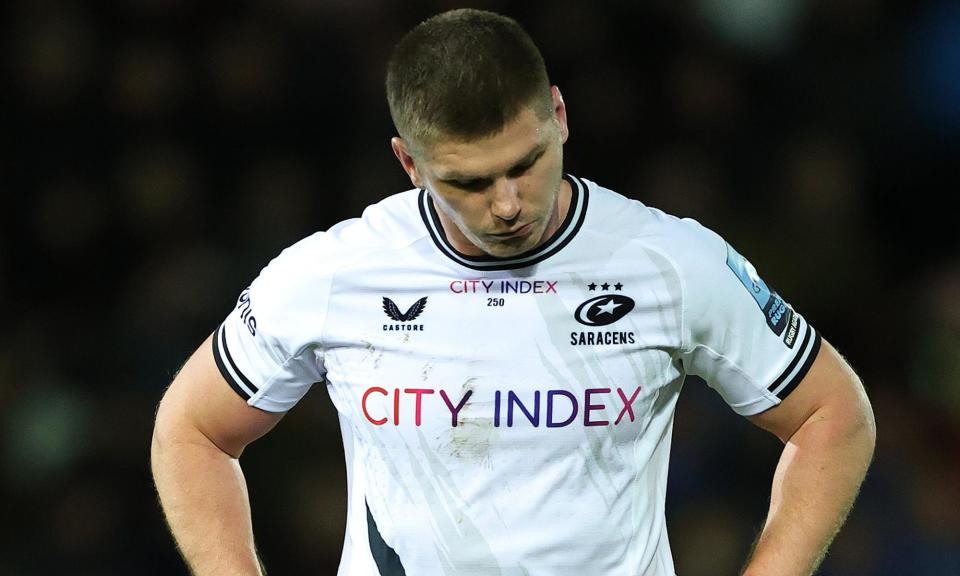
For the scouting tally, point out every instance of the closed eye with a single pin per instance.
(470, 185)
(521, 169)
(481, 184)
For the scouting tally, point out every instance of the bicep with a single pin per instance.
(830, 390)
(199, 402)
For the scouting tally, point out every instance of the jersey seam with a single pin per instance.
(320, 344)
(268, 384)
(683, 290)
(683, 306)
(666, 256)
(764, 393)
(336, 270)
(358, 256)
(414, 206)
(683, 350)
(362, 254)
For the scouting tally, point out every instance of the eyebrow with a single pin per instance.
(531, 157)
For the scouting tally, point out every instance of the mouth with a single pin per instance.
(515, 233)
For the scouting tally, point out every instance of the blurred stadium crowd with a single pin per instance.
(159, 152)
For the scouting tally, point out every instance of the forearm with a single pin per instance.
(204, 497)
(814, 487)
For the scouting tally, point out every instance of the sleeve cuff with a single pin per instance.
(799, 366)
(228, 368)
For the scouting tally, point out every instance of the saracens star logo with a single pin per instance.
(603, 310)
(392, 311)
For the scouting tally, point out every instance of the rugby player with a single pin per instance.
(505, 344)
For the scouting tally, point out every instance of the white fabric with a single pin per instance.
(493, 473)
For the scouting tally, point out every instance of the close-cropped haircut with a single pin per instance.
(464, 74)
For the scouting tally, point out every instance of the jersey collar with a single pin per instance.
(567, 230)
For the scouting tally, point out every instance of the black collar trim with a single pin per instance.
(576, 214)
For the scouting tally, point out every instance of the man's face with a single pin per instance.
(497, 195)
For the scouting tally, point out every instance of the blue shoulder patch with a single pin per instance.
(777, 311)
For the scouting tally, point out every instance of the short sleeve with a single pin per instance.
(269, 348)
(740, 336)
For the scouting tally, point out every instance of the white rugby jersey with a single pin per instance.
(511, 416)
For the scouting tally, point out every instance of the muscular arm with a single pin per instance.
(201, 429)
(828, 430)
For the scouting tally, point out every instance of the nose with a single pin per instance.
(505, 203)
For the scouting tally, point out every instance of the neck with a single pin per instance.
(560, 208)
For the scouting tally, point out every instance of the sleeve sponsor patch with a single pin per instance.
(777, 312)
(790, 338)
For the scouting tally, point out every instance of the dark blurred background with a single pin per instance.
(157, 153)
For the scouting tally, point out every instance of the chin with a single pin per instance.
(507, 250)
(502, 252)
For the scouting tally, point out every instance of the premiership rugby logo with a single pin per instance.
(391, 310)
(778, 313)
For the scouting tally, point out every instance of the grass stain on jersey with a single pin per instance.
(472, 439)
(372, 354)
(473, 436)
(455, 532)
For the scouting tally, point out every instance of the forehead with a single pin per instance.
(490, 155)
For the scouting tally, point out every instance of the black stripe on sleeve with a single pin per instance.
(807, 351)
(796, 359)
(220, 351)
(814, 350)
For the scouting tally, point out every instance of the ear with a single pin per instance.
(402, 153)
(560, 112)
